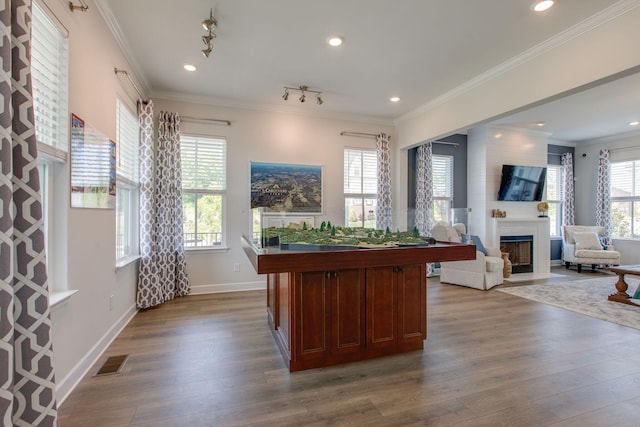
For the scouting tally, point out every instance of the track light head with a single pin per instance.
(206, 52)
(210, 24)
(319, 100)
(302, 97)
(285, 96)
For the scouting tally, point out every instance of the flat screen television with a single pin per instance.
(522, 183)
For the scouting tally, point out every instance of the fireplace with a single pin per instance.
(540, 249)
(520, 250)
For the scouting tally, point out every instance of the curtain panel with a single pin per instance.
(383, 208)
(568, 202)
(27, 395)
(424, 193)
(163, 274)
(603, 195)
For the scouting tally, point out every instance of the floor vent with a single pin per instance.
(113, 365)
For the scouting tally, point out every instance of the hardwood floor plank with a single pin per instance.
(489, 359)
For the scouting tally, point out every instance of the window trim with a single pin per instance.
(451, 186)
(359, 196)
(132, 214)
(629, 199)
(223, 246)
(559, 203)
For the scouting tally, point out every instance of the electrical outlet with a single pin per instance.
(111, 303)
(236, 266)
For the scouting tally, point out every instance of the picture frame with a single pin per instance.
(286, 188)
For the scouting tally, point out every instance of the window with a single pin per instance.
(625, 199)
(204, 185)
(50, 86)
(442, 187)
(555, 196)
(127, 182)
(360, 187)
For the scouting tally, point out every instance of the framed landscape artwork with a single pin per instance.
(279, 187)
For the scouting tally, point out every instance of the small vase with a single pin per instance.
(506, 272)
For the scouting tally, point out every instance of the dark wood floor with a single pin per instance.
(490, 359)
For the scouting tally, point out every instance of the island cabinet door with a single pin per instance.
(382, 308)
(348, 311)
(311, 313)
(412, 303)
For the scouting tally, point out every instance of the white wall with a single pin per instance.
(490, 148)
(269, 137)
(625, 147)
(84, 325)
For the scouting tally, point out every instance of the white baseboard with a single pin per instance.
(65, 386)
(227, 287)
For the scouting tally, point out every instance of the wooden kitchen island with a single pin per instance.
(330, 307)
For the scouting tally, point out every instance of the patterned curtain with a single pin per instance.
(383, 209)
(163, 273)
(568, 202)
(27, 396)
(424, 194)
(603, 195)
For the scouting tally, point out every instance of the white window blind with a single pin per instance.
(50, 76)
(127, 143)
(360, 171)
(442, 176)
(625, 179)
(203, 163)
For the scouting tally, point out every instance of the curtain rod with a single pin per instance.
(359, 134)
(455, 144)
(126, 73)
(199, 120)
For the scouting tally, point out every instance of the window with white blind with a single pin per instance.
(555, 197)
(50, 77)
(204, 185)
(127, 182)
(50, 87)
(625, 199)
(442, 169)
(360, 187)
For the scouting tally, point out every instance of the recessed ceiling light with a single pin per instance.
(540, 124)
(634, 123)
(189, 67)
(497, 136)
(542, 5)
(394, 99)
(335, 41)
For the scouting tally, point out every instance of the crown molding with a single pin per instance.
(229, 103)
(112, 23)
(589, 24)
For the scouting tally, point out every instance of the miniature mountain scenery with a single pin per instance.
(336, 236)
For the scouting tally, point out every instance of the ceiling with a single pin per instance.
(418, 50)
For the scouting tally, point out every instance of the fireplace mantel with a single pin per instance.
(538, 227)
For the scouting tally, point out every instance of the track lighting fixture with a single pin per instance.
(210, 24)
(303, 93)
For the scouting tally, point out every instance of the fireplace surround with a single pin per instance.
(538, 229)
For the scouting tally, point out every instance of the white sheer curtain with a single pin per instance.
(424, 193)
(568, 202)
(163, 274)
(383, 209)
(27, 380)
(603, 195)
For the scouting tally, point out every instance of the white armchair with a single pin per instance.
(581, 245)
(485, 272)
